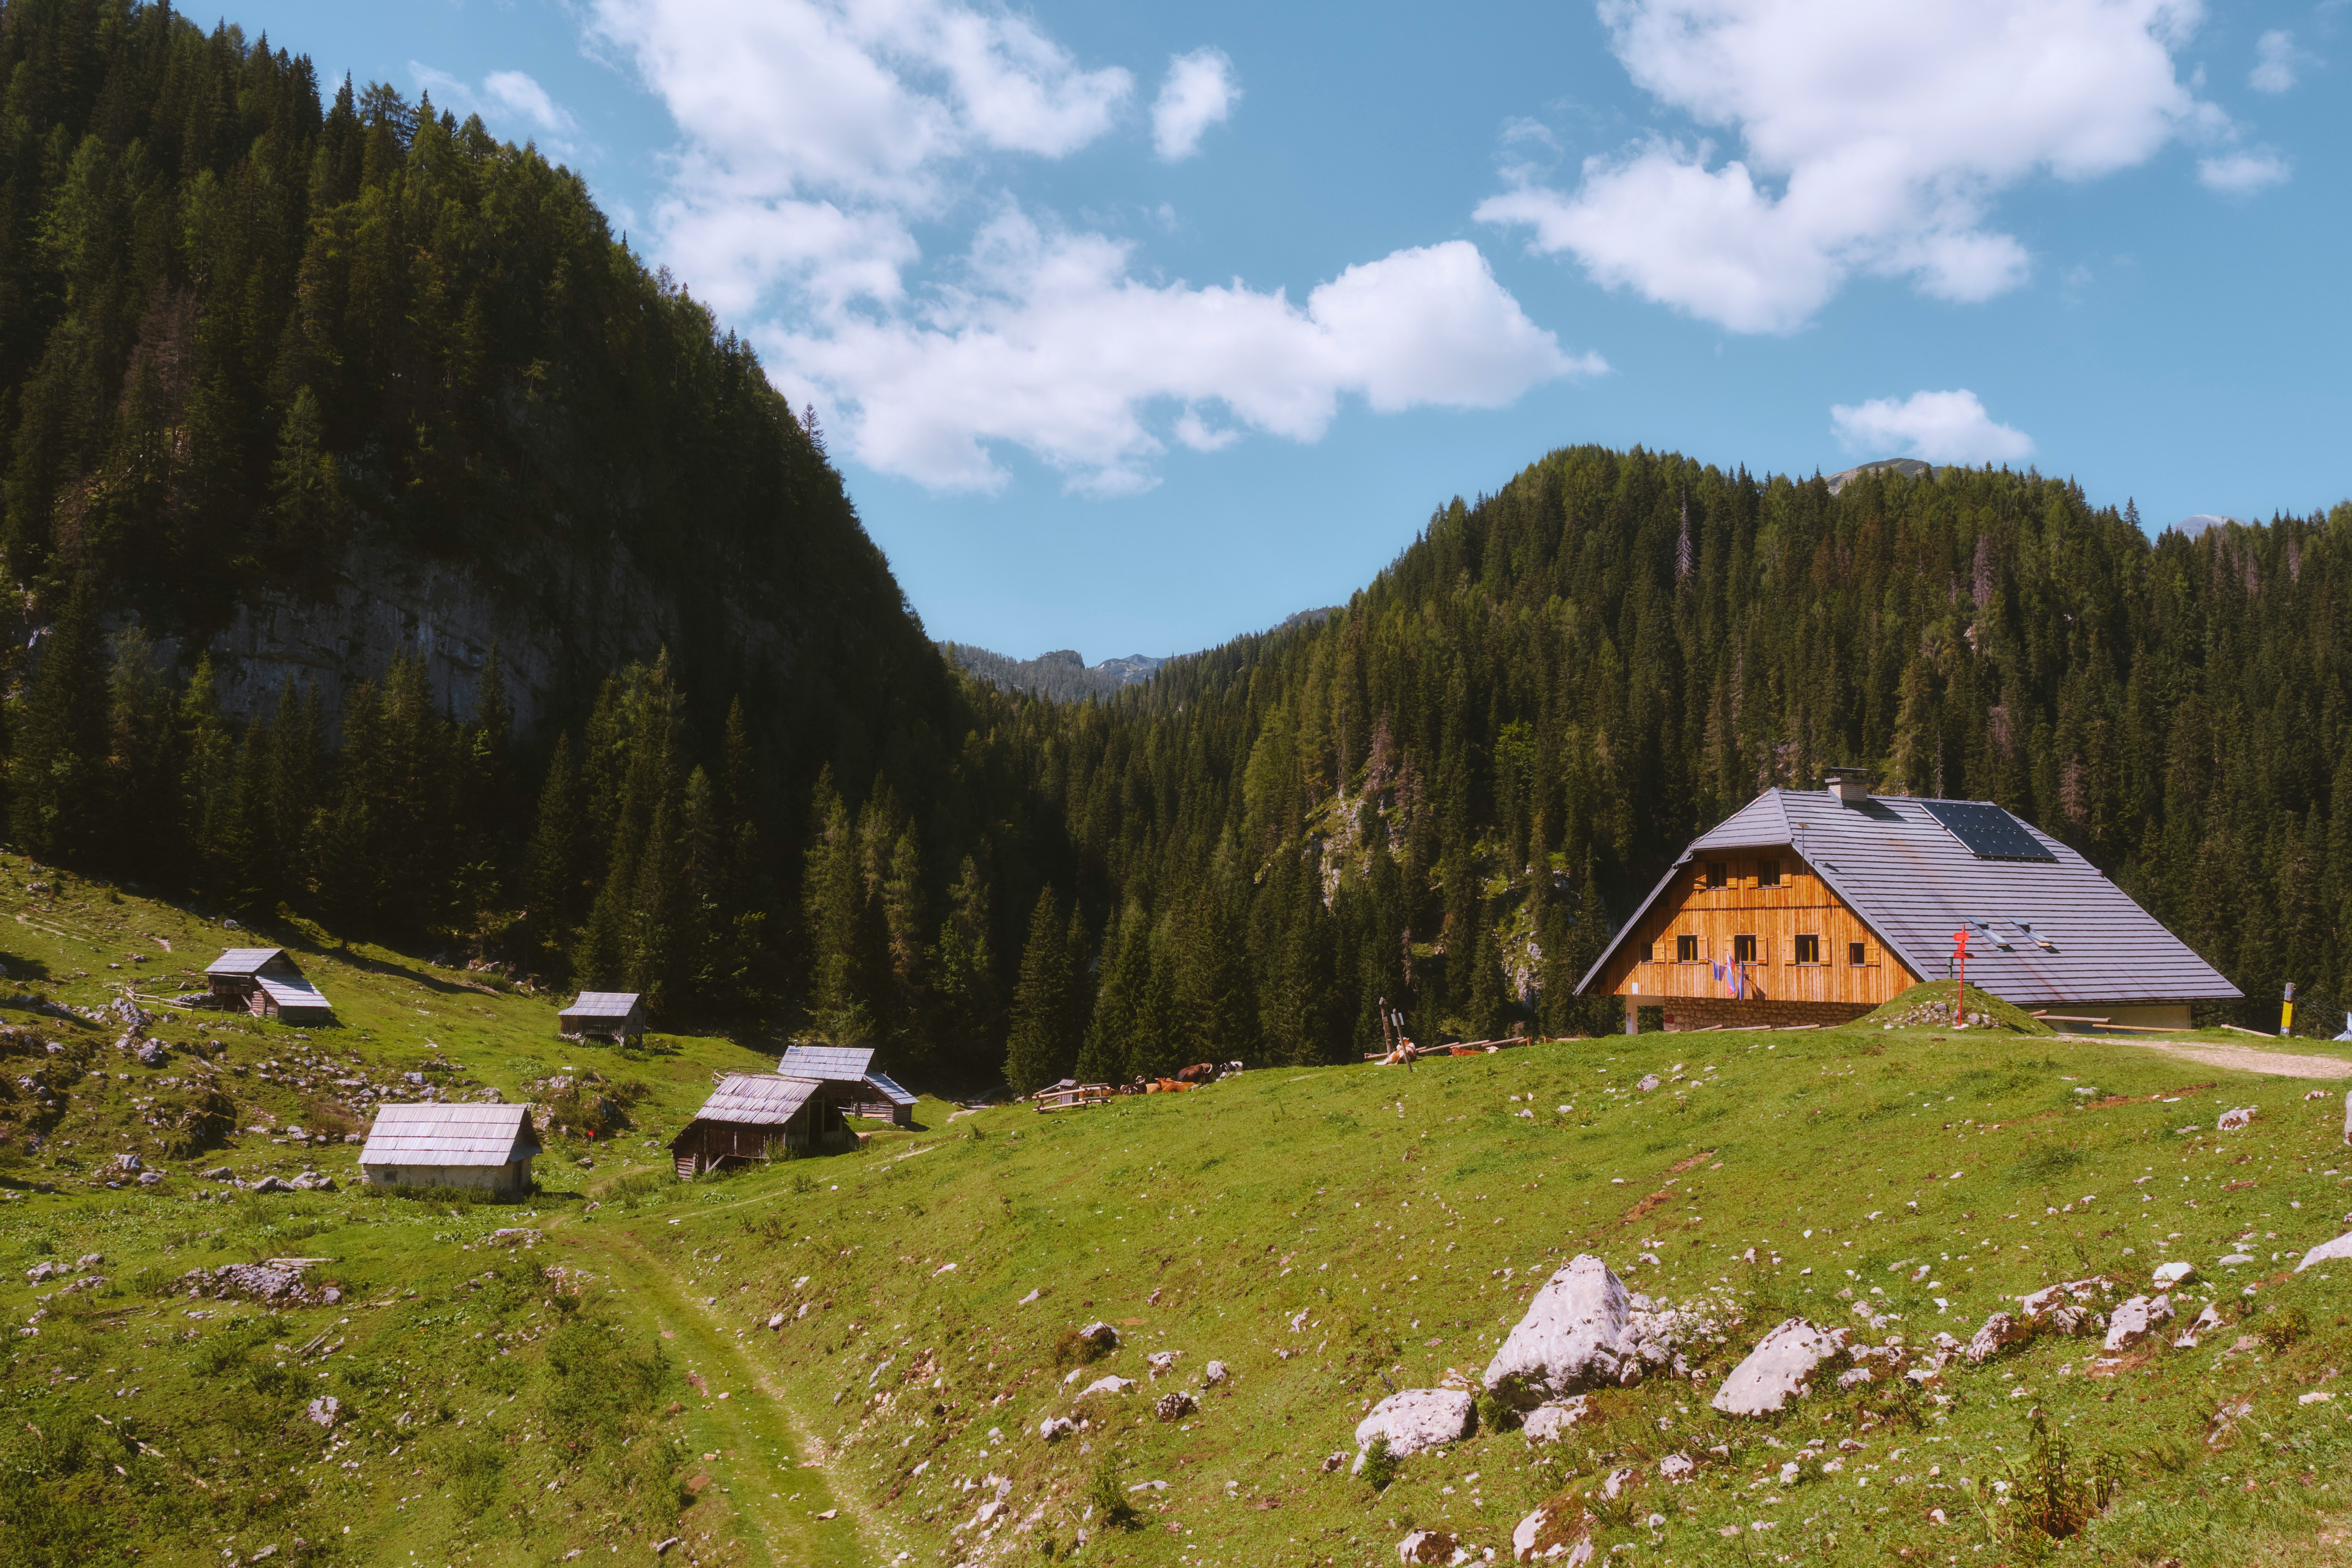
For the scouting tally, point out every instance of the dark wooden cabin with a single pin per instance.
(760, 1116)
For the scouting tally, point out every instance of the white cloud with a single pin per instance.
(2275, 60)
(1873, 139)
(1200, 92)
(507, 101)
(521, 97)
(1940, 426)
(2242, 173)
(1052, 345)
(819, 136)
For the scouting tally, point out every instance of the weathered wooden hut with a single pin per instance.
(1815, 906)
(617, 1016)
(264, 982)
(760, 1116)
(435, 1145)
(851, 1068)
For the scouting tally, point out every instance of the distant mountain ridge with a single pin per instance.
(1063, 676)
(1060, 675)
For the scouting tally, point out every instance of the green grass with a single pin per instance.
(1408, 1215)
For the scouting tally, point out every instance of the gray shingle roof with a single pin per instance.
(601, 1005)
(450, 1135)
(833, 1064)
(1914, 883)
(243, 961)
(890, 1091)
(759, 1099)
(290, 990)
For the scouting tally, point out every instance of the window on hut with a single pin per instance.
(1857, 953)
(1718, 875)
(1809, 948)
(1685, 950)
(1743, 950)
(1768, 873)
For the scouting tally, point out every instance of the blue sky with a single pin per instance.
(1137, 326)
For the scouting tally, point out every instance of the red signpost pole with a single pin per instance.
(1960, 978)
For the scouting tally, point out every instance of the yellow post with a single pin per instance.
(2286, 1011)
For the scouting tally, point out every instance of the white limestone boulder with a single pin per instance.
(1574, 1336)
(1418, 1418)
(1551, 1423)
(1781, 1368)
(2136, 1319)
(2337, 1251)
(1426, 1546)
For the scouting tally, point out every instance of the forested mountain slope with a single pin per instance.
(1445, 794)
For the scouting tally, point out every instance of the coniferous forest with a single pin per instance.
(246, 319)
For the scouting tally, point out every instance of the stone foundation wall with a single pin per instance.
(1705, 1012)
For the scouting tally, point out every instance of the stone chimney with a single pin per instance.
(1850, 786)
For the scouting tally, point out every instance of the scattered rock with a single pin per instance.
(271, 1184)
(2237, 1120)
(1551, 1423)
(1649, 1081)
(90, 1260)
(2136, 1319)
(324, 1410)
(40, 1273)
(1054, 1427)
(150, 1053)
(1102, 1336)
(1853, 1377)
(1572, 1337)
(1419, 1418)
(662, 1546)
(1029, 1298)
(218, 1173)
(2337, 1251)
(1426, 1546)
(2000, 1331)
(1334, 1460)
(1161, 1361)
(1216, 1373)
(514, 1236)
(149, 1178)
(2206, 1322)
(314, 1182)
(1779, 1368)
(1106, 1385)
(1175, 1406)
(253, 1282)
(2176, 1272)
(1677, 1469)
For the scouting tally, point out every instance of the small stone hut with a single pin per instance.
(760, 1116)
(436, 1145)
(263, 980)
(617, 1016)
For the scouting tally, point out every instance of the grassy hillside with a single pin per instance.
(1327, 1234)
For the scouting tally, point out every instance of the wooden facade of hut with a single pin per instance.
(436, 1145)
(263, 980)
(616, 1016)
(760, 1116)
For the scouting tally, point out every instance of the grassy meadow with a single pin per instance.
(1326, 1234)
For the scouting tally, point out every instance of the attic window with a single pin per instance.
(1857, 954)
(1685, 950)
(1768, 873)
(1718, 875)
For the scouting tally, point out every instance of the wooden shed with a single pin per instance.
(264, 982)
(1814, 907)
(760, 1116)
(436, 1145)
(851, 1068)
(617, 1016)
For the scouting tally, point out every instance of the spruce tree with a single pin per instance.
(58, 776)
(1041, 1047)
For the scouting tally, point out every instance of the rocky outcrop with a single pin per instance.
(2136, 1319)
(1419, 1418)
(1779, 1369)
(2337, 1251)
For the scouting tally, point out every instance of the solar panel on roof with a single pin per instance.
(1989, 832)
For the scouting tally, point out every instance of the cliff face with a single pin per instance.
(561, 621)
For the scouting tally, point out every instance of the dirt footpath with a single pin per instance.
(2241, 1058)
